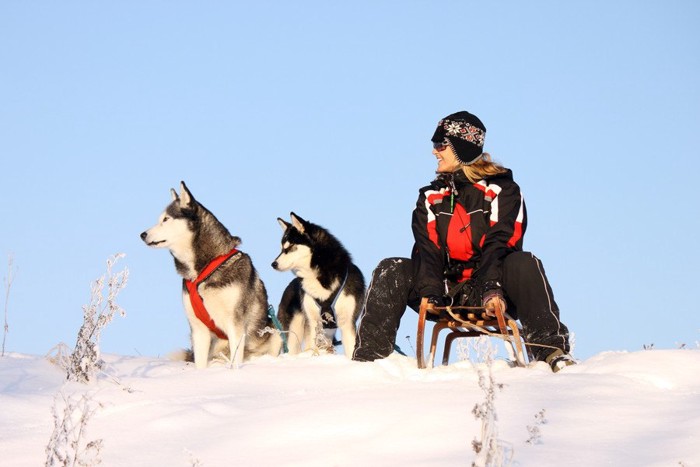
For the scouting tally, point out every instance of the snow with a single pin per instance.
(616, 408)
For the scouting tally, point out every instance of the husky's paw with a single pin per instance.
(221, 359)
(316, 351)
(323, 345)
(225, 361)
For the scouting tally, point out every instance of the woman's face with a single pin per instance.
(446, 159)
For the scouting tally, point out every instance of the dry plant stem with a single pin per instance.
(67, 445)
(488, 448)
(8, 286)
(534, 430)
(85, 361)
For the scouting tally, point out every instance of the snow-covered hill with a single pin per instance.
(618, 409)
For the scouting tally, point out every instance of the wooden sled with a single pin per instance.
(466, 321)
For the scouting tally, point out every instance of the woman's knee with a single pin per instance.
(521, 271)
(520, 262)
(392, 276)
(392, 267)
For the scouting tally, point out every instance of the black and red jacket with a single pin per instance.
(466, 227)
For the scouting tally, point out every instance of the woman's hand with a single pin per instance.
(492, 299)
(436, 300)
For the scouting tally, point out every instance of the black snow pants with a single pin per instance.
(526, 290)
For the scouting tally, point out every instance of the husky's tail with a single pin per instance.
(182, 355)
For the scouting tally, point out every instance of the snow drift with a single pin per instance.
(616, 408)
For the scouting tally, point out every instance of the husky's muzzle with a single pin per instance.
(144, 237)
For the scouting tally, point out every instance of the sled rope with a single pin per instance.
(505, 337)
(200, 311)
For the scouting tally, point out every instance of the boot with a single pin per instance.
(558, 360)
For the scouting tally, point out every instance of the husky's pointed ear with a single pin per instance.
(186, 198)
(173, 195)
(285, 225)
(298, 222)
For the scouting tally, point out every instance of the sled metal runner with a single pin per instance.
(466, 321)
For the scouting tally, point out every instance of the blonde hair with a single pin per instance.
(482, 168)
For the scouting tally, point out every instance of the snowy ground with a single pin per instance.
(617, 409)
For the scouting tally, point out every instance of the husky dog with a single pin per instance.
(225, 300)
(326, 294)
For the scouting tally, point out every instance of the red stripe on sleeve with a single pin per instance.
(517, 234)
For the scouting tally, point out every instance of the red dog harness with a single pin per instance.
(200, 311)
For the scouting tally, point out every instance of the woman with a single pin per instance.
(468, 226)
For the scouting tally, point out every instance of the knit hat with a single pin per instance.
(465, 134)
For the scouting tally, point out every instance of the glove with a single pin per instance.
(442, 302)
(436, 300)
(490, 299)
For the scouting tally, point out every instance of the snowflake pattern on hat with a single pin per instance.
(465, 131)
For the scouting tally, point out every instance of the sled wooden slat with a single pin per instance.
(472, 322)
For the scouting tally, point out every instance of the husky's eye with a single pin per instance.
(166, 219)
(290, 249)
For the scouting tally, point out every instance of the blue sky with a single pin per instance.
(326, 109)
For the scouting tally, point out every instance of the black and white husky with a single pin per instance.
(326, 294)
(225, 300)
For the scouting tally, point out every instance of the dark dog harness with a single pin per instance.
(200, 311)
(327, 307)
